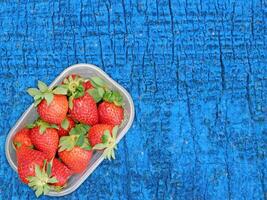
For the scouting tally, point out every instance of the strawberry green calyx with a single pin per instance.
(99, 88)
(77, 137)
(101, 91)
(97, 93)
(72, 83)
(44, 92)
(108, 143)
(42, 125)
(98, 82)
(17, 145)
(113, 97)
(42, 179)
(75, 89)
(65, 124)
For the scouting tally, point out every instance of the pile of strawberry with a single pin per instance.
(76, 118)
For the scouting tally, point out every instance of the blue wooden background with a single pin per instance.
(197, 71)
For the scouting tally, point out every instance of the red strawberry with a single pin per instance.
(52, 106)
(27, 159)
(56, 111)
(61, 172)
(82, 106)
(76, 159)
(103, 137)
(68, 124)
(75, 150)
(96, 132)
(45, 138)
(22, 138)
(109, 113)
(38, 173)
(84, 110)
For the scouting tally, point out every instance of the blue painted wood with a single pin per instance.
(197, 73)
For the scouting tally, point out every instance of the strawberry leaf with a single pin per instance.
(36, 103)
(49, 167)
(115, 132)
(60, 90)
(53, 126)
(97, 82)
(44, 165)
(99, 146)
(17, 144)
(38, 192)
(46, 189)
(117, 98)
(42, 86)
(42, 125)
(113, 97)
(42, 93)
(96, 93)
(71, 102)
(33, 91)
(77, 137)
(38, 172)
(79, 129)
(42, 129)
(74, 131)
(86, 145)
(48, 97)
(67, 143)
(52, 180)
(105, 136)
(30, 126)
(65, 124)
(57, 188)
(80, 140)
(79, 92)
(112, 154)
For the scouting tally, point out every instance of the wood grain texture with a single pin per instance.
(197, 71)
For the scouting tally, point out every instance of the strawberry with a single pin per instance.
(96, 132)
(109, 113)
(66, 126)
(56, 111)
(82, 106)
(27, 159)
(103, 137)
(75, 150)
(22, 138)
(41, 176)
(61, 172)
(42, 180)
(52, 105)
(77, 159)
(84, 110)
(44, 137)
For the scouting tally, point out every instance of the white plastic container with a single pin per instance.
(84, 70)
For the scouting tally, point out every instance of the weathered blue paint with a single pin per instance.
(197, 72)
